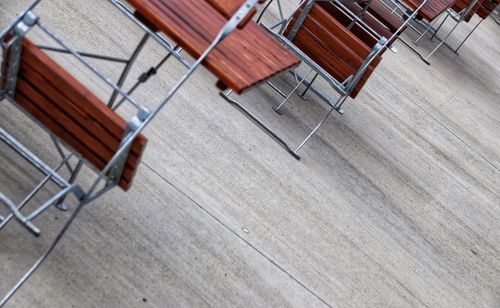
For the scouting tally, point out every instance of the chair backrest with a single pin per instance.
(72, 113)
(332, 46)
(358, 30)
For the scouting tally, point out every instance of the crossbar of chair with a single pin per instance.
(344, 88)
(135, 128)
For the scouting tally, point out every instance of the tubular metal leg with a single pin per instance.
(439, 28)
(127, 68)
(409, 45)
(315, 129)
(43, 257)
(339, 104)
(259, 123)
(468, 35)
(278, 108)
(442, 41)
(303, 94)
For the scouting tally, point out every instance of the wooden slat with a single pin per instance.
(382, 13)
(228, 7)
(244, 59)
(73, 113)
(432, 9)
(332, 46)
(357, 30)
(35, 87)
(486, 7)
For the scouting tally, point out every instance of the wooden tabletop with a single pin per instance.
(247, 57)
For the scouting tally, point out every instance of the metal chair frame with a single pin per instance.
(400, 9)
(343, 87)
(105, 180)
(458, 17)
(496, 15)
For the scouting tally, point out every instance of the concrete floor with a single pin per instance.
(394, 204)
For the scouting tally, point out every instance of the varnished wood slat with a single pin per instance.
(93, 137)
(460, 5)
(244, 59)
(357, 30)
(75, 91)
(332, 46)
(228, 7)
(76, 116)
(384, 15)
(432, 9)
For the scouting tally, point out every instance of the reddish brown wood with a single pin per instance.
(382, 13)
(432, 9)
(460, 5)
(244, 59)
(332, 46)
(228, 7)
(487, 6)
(72, 113)
(357, 30)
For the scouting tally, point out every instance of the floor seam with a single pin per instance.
(274, 263)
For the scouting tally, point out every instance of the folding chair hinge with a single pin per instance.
(15, 47)
(134, 124)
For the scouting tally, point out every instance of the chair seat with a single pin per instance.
(244, 59)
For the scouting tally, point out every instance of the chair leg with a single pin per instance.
(258, 122)
(336, 107)
(60, 204)
(442, 41)
(278, 108)
(128, 67)
(303, 94)
(315, 129)
(429, 27)
(468, 35)
(43, 257)
(340, 103)
(439, 28)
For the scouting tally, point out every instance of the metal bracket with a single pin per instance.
(15, 49)
(117, 170)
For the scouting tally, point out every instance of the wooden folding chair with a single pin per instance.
(461, 11)
(79, 121)
(483, 9)
(429, 16)
(340, 46)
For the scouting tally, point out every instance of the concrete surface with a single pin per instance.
(394, 204)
